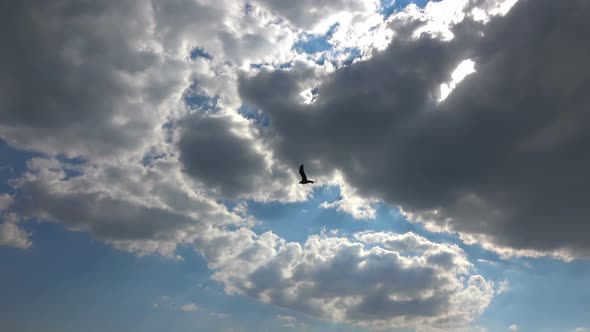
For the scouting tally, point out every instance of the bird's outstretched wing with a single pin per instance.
(302, 173)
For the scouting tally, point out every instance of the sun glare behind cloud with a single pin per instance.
(465, 68)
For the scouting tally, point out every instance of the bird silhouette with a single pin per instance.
(304, 179)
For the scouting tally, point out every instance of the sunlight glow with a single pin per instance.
(465, 68)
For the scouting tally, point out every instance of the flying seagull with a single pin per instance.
(304, 179)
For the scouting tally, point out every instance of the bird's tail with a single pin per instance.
(310, 181)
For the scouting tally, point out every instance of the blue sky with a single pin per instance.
(148, 176)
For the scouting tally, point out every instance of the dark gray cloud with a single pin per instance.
(223, 153)
(223, 160)
(80, 77)
(503, 159)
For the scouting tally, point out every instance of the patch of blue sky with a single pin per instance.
(296, 221)
(70, 170)
(201, 102)
(71, 160)
(352, 54)
(312, 44)
(284, 65)
(168, 129)
(388, 7)
(12, 163)
(198, 101)
(255, 115)
(544, 294)
(198, 52)
(99, 287)
(151, 156)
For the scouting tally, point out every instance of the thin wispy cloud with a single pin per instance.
(189, 307)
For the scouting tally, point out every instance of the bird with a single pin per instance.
(304, 179)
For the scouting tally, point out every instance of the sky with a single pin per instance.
(149, 155)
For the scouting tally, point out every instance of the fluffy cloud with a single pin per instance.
(142, 209)
(350, 202)
(79, 78)
(501, 161)
(13, 236)
(10, 233)
(97, 80)
(376, 279)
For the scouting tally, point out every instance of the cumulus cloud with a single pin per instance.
(501, 160)
(142, 209)
(13, 236)
(84, 78)
(376, 279)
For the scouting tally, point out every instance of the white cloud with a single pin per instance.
(13, 236)
(513, 327)
(189, 307)
(5, 201)
(350, 202)
(379, 280)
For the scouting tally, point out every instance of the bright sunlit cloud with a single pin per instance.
(465, 68)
